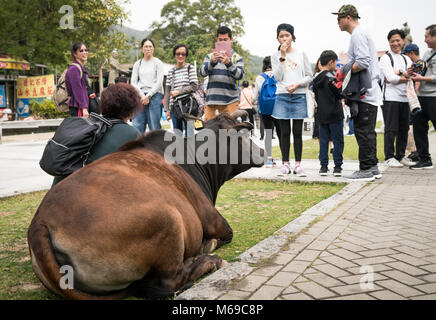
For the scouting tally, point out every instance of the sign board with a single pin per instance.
(35, 87)
(2, 97)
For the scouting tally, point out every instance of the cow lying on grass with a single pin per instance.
(132, 223)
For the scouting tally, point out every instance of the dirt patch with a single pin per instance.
(27, 287)
(5, 214)
(267, 195)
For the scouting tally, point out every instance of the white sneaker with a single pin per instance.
(407, 162)
(393, 163)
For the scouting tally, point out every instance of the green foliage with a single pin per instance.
(195, 23)
(30, 29)
(46, 110)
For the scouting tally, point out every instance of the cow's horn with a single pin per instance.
(239, 113)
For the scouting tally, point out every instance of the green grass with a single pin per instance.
(255, 209)
(351, 150)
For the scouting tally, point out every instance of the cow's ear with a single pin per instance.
(243, 125)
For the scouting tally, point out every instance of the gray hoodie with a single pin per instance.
(428, 88)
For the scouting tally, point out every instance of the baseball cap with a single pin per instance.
(347, 10)
(411, 47)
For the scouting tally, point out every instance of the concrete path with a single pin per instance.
(370, 241)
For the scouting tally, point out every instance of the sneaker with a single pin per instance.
(298, 170)
(413, 156)
(337, 171)
(270, 163)
(407, 162)
(323, 171)
(393, 163)
(361, 175)
(422, 165)
(376, 172)
(286, 169)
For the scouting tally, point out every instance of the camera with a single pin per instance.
(418, 66)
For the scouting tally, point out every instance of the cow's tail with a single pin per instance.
(47, 269)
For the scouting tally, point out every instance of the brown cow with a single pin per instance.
(131, 223)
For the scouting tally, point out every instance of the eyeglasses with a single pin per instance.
(180, 54)
(83, 50)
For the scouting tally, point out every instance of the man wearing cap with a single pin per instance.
(427, 100)
(412, 51)
(395, 107)
(364, 55)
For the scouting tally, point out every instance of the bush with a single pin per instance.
(46, 110)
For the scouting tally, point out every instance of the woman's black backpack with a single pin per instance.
(72, 144)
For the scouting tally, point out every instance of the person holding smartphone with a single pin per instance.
(223, 67)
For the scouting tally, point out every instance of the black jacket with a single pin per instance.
(327, 97)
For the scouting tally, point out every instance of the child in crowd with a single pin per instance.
(330, 113)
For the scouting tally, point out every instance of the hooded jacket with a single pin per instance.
(327, 97)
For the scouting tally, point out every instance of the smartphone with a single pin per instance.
(223, 46)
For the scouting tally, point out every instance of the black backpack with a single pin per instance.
(72, 144)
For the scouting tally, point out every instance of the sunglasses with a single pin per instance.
(180, 54)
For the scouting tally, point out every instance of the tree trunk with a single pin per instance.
(100, 79)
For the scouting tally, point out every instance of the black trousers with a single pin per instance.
(396, 117)
(297, 133)
(420, 126)
(364, 131)
(251, 113)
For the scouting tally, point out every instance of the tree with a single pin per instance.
(195, 24)
(96, 20)
(31, 30)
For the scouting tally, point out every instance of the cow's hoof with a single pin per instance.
(209, 246)
(224, 263)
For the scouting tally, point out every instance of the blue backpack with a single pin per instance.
(267, 96)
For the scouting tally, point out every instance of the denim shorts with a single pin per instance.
(290, 106)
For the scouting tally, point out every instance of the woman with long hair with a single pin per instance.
(147, 78)
(77, 81)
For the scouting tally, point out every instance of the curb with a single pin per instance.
(219, 282)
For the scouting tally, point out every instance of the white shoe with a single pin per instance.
(393, 163)
(407, 162)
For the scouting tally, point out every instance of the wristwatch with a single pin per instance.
(282, 59)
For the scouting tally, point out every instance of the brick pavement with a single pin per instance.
(378, 244)
(389, 228)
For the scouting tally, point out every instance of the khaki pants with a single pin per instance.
(209, 111)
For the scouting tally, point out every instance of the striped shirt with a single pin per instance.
(221, 87)
(183, 80)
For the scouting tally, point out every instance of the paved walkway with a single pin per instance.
(371, 241)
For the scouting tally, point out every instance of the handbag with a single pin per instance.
(187, 104)
(412, 98)
(310, 102)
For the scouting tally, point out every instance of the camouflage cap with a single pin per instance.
(347, 10)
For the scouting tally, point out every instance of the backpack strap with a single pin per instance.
(78, 67)
(426, 65)
(264, 75)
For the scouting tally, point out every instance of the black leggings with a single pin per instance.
(297, 133)
(251, 113)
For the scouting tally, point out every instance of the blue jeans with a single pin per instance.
(151, 115)
(351, 126)
(182, 125)
(335, 131)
